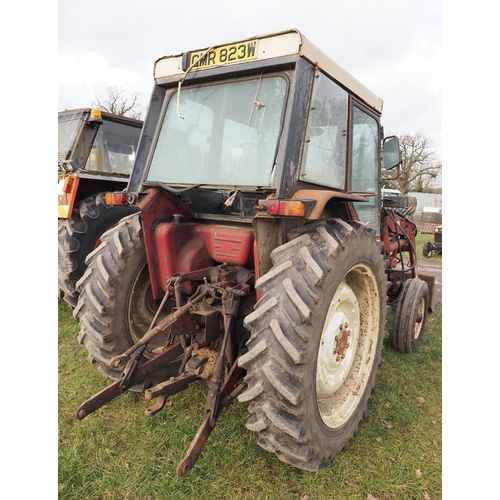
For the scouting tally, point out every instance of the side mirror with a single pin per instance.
(392, 153)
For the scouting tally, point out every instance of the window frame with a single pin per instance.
(356, 103)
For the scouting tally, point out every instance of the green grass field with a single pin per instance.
(119, 453)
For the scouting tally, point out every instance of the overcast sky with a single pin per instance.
(392, 46)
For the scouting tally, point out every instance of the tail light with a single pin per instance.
(68, 187)
(116, 198)
(284, 208)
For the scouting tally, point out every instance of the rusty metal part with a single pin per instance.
(324, 196)
(196, 447)
(213, 409)
(158, 406)
(165, 389)
(234, 394)
(342, 341)
(210, 357)
(398, 236)
(172, 386)
(130, 368)
(161, 327)
(217, 392)
(228, 284)
(141, 373)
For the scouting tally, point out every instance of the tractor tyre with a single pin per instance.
(115, 305)
(427, 250)
(410, 315)
(316, 340)
(411, 206)
(81, 234)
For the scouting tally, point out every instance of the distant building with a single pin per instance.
(427, 200)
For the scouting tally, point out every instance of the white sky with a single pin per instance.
(392, 46)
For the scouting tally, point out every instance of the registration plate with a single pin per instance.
(227, 54)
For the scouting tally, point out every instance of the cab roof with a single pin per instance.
(285, 43)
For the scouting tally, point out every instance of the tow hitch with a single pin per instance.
(225, 290)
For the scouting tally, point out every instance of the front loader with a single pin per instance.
(262, 262)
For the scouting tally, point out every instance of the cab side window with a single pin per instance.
(324, 157)
(364, 168)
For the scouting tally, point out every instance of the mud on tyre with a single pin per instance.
(316, 339)
(79, 235)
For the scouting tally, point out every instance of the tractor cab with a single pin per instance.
(265, 127)
(96, 152)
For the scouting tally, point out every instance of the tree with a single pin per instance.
(420, 167)
(117, 102)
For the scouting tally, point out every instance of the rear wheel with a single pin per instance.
(410, 315)
(316, 341)
(116, 307)
(81, 234)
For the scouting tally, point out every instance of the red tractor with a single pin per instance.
(262, 262)
(436, 245)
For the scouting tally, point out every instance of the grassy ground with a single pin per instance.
(119, 453)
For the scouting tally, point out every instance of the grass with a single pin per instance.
(119, 453)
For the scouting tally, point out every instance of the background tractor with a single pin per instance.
(262, 261)
(96, 154)
(436, 245)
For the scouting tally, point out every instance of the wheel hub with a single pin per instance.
(419, 318)
(335, 357)
(341, 342)
(346, 346)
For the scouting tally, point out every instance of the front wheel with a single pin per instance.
(410, 315)
(316, 340)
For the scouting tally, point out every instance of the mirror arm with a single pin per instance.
(398, 173)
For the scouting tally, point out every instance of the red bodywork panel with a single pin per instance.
(185, 247)
(392, 245)
(173, 247)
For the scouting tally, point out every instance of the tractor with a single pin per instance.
(96, 154)
(262, 261)
(436, 245)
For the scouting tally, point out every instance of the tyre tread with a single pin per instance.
(279, 338)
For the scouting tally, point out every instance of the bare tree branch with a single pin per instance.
(117, 101)
(420, 168)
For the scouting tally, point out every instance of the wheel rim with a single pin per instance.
(420, 317)
(347, 346)
(141, 311)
